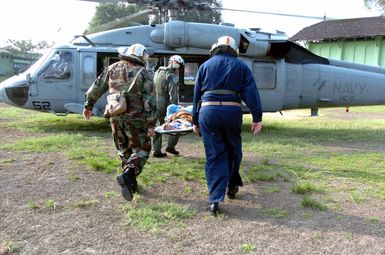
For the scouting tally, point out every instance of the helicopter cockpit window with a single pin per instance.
(190, 72)
(60, 66)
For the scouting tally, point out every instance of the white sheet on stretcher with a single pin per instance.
(178, 128)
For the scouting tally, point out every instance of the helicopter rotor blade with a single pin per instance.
(122, 22)
(276, 13)
(187, 4)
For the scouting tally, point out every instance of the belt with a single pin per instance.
(221, 92)
(221, 103)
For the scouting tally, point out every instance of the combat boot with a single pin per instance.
(232, 191)
(159, 155)
(128, 185)
(172, 151)
(214, 209)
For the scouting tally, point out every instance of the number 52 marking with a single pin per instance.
(41, 105)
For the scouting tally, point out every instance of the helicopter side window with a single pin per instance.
(88, 70)
(60, 66)
(265, 75)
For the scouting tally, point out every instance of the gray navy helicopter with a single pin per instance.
(288, 76)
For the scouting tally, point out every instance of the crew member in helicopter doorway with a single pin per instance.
(221, 83)
(131, 109)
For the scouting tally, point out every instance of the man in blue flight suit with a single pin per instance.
(221, 83)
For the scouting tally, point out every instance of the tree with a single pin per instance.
(212, 15)
(26, 49)
(379, 4)
(110, 13)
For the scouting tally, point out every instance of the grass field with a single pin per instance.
(321, 159)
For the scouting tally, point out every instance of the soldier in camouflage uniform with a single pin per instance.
(166, 86)
(131, 130)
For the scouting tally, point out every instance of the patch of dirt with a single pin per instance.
(29, 180)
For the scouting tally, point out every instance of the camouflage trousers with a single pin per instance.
(132, 142)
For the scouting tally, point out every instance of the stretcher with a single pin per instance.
(177, 127)
(176, 123)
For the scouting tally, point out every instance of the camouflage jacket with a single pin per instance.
(166, 87)
(140, 97)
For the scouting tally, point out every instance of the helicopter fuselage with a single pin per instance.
(287, 75)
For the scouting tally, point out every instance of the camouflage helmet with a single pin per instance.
(175, 61)
(136, 53)
(225, 44)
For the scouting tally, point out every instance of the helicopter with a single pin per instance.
(288, 76)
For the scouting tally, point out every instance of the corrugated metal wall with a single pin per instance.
(369, 51)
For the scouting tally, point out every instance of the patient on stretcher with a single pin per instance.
(178, 119)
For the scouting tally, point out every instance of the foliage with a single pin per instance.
(206, 16)
(27, 49)
(109, 12)
(379, 4)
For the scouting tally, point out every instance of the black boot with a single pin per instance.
(159, 155)
(172, 151)
(232, 191)
(214, 208)
(128, 184)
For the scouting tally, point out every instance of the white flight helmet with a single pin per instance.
(225, 43)
(136, 52)
(176, 61)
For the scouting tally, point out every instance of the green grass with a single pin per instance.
(247, 247)
(7, 161)
(320, 155)
(73, 176)
(50, 204)
(357, 197)
(110, 194)
(270, 189)
(304, 149)
(306, 187)
(10, 246)
(87, 203)
(156, 217)
(32, 121)
(275, 213)
(98, 160)
(373, 109)
(313, 203)
(32, 205)
(176, 167)
(52, 143)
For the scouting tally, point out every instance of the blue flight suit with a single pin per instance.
(221, 125)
